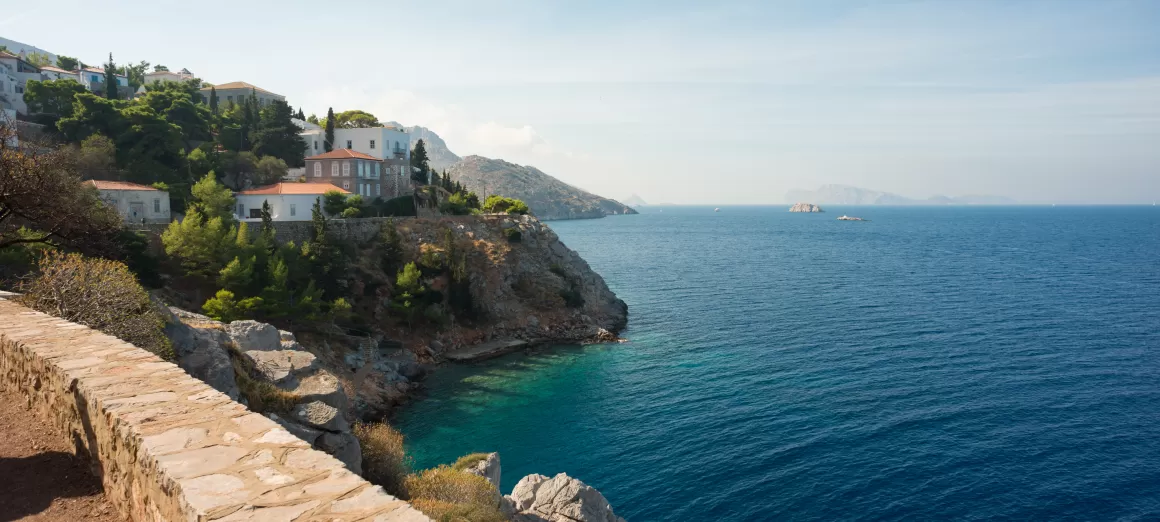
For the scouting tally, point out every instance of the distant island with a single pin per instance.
(848, 195)
(634, 201)
(805, 207)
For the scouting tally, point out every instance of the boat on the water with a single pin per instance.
(850, 218)
(717, 210)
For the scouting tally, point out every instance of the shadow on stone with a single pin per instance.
(30, 484)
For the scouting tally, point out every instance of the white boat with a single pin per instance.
(849, 218)
(717, 210)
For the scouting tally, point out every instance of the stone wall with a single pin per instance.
(166, 446)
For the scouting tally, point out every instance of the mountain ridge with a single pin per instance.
(835, 194)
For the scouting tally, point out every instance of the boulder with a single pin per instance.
(321, 415)
(280, 365)
(344, 447)
(537, 498)
(310, 435)
(202, 354)
(487, 468)
(285, 336)
(319, 386)
(252, 335)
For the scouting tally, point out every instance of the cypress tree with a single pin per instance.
(111, 79)
(213, 100)
(328, 142)
(301, 116)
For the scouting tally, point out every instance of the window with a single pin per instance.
(334, 170)
(315, 144)
(372, 144)
(318, 169)
(362, 169)
(230, 98)
(156, 206)
(241, 210)
(96, 78)
(348, 144)
(345, 184)
(255, 212)
(378, 190)
(19, 89)
(376, 171)
(346, 169)
(293, 209)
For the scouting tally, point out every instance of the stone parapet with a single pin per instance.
(166, 446)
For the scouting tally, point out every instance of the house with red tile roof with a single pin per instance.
(358, 172)
(288, 201)
(137, 203)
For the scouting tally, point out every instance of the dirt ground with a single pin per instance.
(40, 479)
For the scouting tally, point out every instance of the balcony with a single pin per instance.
(399, 152)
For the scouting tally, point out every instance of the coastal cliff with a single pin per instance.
(548, 197)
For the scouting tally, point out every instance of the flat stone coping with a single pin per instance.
(166, 445)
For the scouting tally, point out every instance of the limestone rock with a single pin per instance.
(252, 335)
(285, 336)
(536, 498)
(309, 435)
(202, 354)
(805, 207)
(487, 468)
(344, 447)
(320, 386)
(321, 415)
(280, 365)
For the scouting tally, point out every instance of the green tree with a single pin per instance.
(420, 164)
(111, 79)
(334, 202)
(408, 289)
(93, 115)
(67, 63)
(135, 74)
(391, 247)
(328, 141)
(269, 170)
(212, 199)
(202, 246)
(354, 119)
(268, 234)
(160, 68)
(277, 135)
(98, 158)
(502, 204)
(213, 100)
(238, 275)
(53, 98)
(38, 59)
(300, 115)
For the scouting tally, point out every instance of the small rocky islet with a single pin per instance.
(805, 207)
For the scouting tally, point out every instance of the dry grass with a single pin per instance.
(384, 461)
(468, 461)
(446, 494)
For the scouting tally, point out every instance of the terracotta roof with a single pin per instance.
(343, 154)
(292, 188)
(119, 185)
(101, 71)
(56, 69)
(239, 85)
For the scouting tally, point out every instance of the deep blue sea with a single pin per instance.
(932, 363)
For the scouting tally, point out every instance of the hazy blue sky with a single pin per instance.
(687, 102)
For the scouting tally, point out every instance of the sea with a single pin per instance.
(931, 363)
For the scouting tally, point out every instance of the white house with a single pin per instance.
(288, 201)
(235, 92)
(168, 76)
(51, 72)
(14, 72)
(93, 79)
(137, 203)
(390, 144)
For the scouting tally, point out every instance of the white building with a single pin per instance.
(168, 76)
(288, 201)
(236, 92)
(14, 72)
(137, 203)
(390, 144)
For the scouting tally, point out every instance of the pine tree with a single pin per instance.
(435, 180)
(111, 79)
(328, 142)
(213, 100)
(300, 115)
(267, 223)
(420, 165)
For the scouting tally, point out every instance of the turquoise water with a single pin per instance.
(967, 363)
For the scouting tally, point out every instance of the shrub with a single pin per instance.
(468, 461)
(458, 205)
(502, 204)
(101, 294)
(351, 212)
(400, 206)
(454, 495)
(225, 308)
(384, 461)
(513, 235)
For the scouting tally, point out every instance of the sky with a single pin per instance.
(697, 102)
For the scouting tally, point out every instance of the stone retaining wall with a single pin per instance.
(166, 446)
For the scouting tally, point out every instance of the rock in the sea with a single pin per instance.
(805, 207)
(252, 335)
(344, 447)
(321, 415)
(279, 365)
(487, 468)
(537, 498)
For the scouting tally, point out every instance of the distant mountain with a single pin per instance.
(847, 195)
(438, 154)
(548, 197)
(635, 201)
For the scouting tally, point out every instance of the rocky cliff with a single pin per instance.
(438, 154)
(548, 197)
